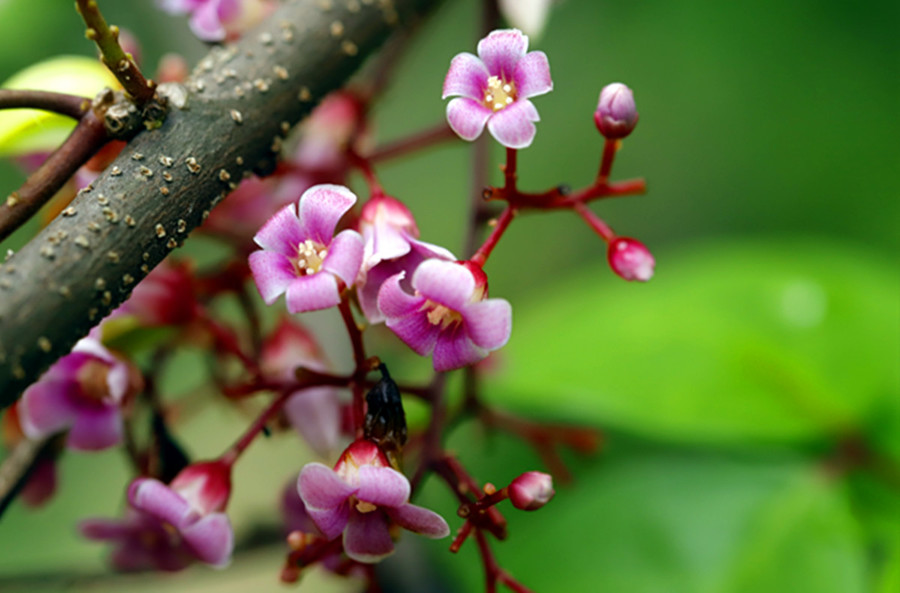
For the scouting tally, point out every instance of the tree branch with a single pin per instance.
(229, 122)
(70, 105)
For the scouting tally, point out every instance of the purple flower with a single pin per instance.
(360, 498)
(140, 542)
(83, 392)
(214, 20)
(630, 259)
(191, 507)
(616, 114)
(391, 246)
(314, 411)
(301, 257)
(494, 89)
(447, 314)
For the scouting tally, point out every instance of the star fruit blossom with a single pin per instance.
(360, 498)
(390, 235)
(493, 89)
(315, 412)
(169, 527)
(214, 20)
(447, 314)
(84, 392)
(300, 254)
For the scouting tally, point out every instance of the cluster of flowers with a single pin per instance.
(318, 252)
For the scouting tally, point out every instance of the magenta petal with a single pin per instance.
(282, 233)
(272, 272)
(46, 408)
(96, 428)
(512, 125)
(384, 242)
(205, 22)
(331, 522)
(443, 282)
(345, 256)
(211, 539)
(467, 117)
(155, 498)
(104, 529)
(415, 330)
(366, 538)
(382, 486)
(321, 207)
(501, 50)
(467, 77)
(316, 414)
(420, 520)
(321, 488)
(532, 75)
(393, 301)
(454, 350)
(489, 323)
(312, 293)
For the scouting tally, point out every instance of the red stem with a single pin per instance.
(69, 105)
(509, 171)
(365, 167)
(594, 221)
(361, 366)
(487, 247)
(606, 161)
(230, 456)
(419, 140)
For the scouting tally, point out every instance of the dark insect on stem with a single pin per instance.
(385, 420)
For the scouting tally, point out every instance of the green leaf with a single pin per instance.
(768, 341)
(646, 520)
(24, 131)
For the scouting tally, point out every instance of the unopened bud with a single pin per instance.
(630, 259)
(616, 114)
(531, 491)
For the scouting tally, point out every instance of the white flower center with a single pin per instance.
(499, 93)
(310, 256)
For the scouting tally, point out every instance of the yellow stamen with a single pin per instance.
(499, 93)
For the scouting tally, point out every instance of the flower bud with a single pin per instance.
(616, 114)
(531, 491)
(206, 486)
(630, 259)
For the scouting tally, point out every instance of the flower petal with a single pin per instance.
(312, 293)
(272, 272)
(321, 488)
(155, 498)
(467, 117)
(532, 75)
(443, 282)
(467, 77)
(96, 428)
(512, 125)
(104, 529)
(382, 486)
(211, 539)
(416, 332)
(331, 522)
(321, 207)
(396, 302)
(419, 520)
(47, 408)
(205, 22)
(282, 233)
(366, 538)
(316, 414)
(345, 256)
(454, 350)
(500, 51)
(489, 323)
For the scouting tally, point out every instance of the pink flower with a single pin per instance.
(301, 257)
(214, 20)
(83, 392)
(360, 498)
(390, 235)
(630, 259)
(192, 507)
(316, 411)
(140, 542)
(165, 297)
(494, 89)
(447, 314)
(616, 114)
(531, 491)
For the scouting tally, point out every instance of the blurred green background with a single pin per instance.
(749, 394)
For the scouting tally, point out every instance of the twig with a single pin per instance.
(15, 469)
(119, 63)
(85, 140)
(64, 104)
